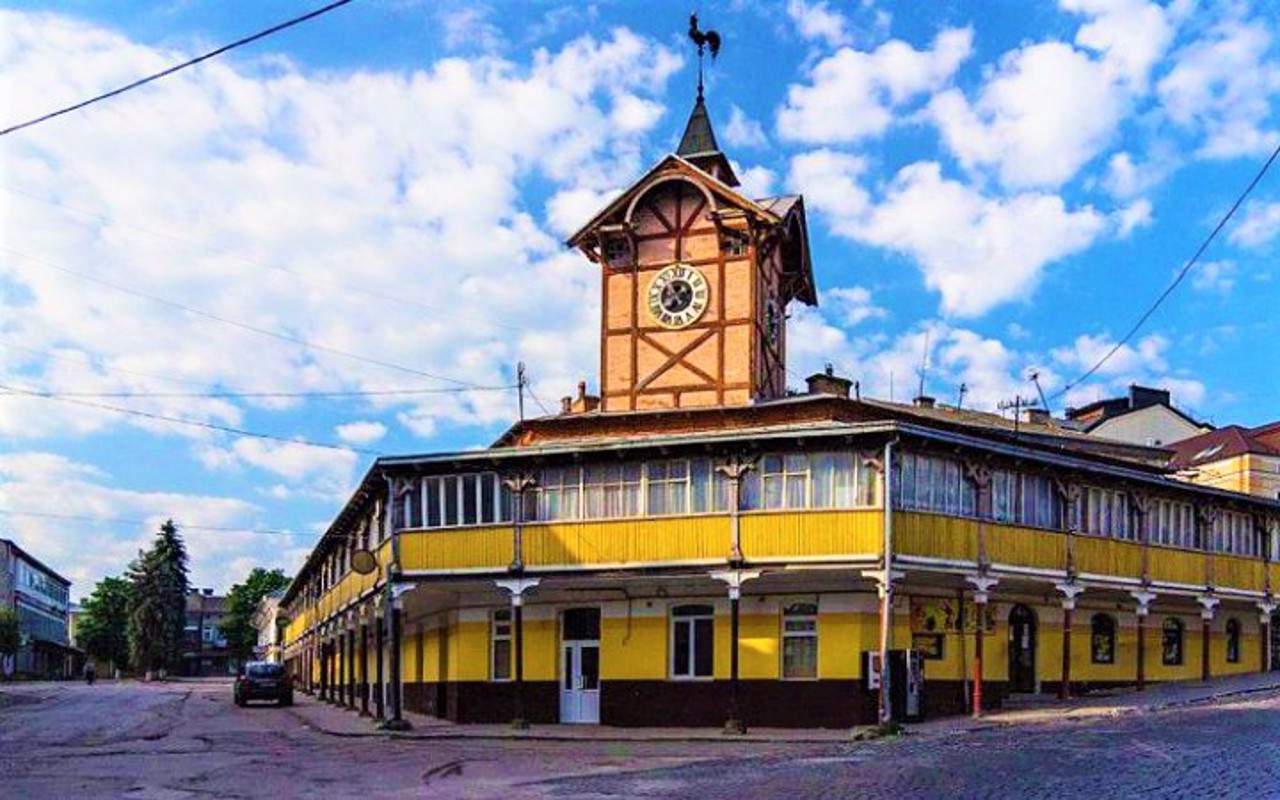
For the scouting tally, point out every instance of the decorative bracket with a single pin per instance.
(1144, 600)
(883, 578)
(1070, 591)
(517, 587)
(981, 587)
(735, 578)
(1208, 603)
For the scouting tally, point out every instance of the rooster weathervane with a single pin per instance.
(709, 40)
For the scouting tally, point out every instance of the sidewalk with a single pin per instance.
(1041, 709)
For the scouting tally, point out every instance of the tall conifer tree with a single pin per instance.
(159, 595)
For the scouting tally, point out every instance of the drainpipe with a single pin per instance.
(886, 587)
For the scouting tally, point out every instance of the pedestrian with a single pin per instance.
(89, 672)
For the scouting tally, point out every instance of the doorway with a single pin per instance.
(1022, 649)
(580, 666)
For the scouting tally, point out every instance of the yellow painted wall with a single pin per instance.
(935, 535)
(1177, 566)
(815, 533)
(1237, 572)
(635, 654)
(1099, 556)
(627, 541)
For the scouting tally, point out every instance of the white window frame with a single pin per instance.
(495, 638)
(785, 634)
(690, 620)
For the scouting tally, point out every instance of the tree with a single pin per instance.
(10, 636)
(104, 627)
(157, 611)
(242, 601)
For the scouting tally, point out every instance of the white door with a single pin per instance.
(580, 683)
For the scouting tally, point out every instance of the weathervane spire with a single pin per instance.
(709, 40)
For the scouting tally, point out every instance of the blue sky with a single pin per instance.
(1010, 182)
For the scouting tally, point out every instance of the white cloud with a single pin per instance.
(1137, 214)
(1145, 363)
(467, 27)
(361, 433)
(1131, 35)
(977, 251)
(1221, 86)
(852, 305)
(1048, 110)
(85, 551)
(853, 94)
(331, 176)
(1126, 178)
(1214, 276)
(743, 131)
(817, 22)
(756, 181)
(1258, 226)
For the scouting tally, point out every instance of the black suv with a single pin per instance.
(263, 680)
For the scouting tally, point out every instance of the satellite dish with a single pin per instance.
(363, 562)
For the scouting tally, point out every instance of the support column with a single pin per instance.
(1265, 610)
(981, 595)
(396, 722)
(734, 578)
(1208, 604)
(517, 587)
(350, 668)
(364, 668)
(322, 663)
(380, 644)
(1069, 591)
(734, 469)
(1143, 610)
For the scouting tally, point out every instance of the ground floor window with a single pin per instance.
(1233, 641)
(501, 649)
(692, 642)
(800, 641)
(1171, 642)
(1103, 640)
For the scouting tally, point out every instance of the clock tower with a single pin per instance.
(696, 279)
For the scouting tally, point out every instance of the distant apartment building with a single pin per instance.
(205, 652)
(266, 621)
(1145, 417)
(42, 600)
(1234, 458)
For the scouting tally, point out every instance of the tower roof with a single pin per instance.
(699, 147)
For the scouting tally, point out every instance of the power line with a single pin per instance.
(121, 521)
(1186, 268)
(274, 267)
(93, 359)
(236, 324)
(213, 426)
(177, 68)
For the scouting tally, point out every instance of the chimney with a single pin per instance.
(1038, 416)
(828, 383)
(584, 402)
(1142, 397)
(923, 401)
(566, 405)
(208, 593)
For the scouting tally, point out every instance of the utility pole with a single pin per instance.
(1017, 404)
(521, 381)
(1034, 377)
(964, 389)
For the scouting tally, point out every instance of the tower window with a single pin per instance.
(617, 252)
(734, 243)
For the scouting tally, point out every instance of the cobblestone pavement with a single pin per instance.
(188, 740)
(183, 740)
(1217, 750)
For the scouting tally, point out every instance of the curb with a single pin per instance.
(988, 724)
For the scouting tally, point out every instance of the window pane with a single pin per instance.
(800, 657)
(450, 500)
(488, 500)
(750, 499)
(700, 485)
(470, 507)
(703, 642)
(502, 659)
(680, 648)
(434, 515)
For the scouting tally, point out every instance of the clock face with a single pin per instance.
(678, 296)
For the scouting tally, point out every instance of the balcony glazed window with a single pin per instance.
(612, 490)
(1105, 512)
(1174, 524)
(560, 493)
(933, 483)
(668, 487)
(692, 642)
(1233, 533)
(458, 500)
(800, 641)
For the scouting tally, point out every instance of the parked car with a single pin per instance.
(263, 680)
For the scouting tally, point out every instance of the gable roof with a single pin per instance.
(1223, 443)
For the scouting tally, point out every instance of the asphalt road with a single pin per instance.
(188, 740)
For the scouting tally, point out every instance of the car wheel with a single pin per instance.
(286, 700)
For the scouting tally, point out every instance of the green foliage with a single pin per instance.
(10, 635)
(158, 601)
(242, 600)
(104, 627)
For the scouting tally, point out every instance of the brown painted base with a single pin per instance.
(480, 702)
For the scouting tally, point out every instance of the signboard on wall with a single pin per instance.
(939, 615)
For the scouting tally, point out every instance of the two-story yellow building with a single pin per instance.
(698, 546)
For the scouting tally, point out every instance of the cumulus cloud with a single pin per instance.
(976, 251)
(743, 131)
(1258, 225)
(1214, 276)
(852, 305)
(1220, 87)
(818, 22)
(853, 95)
(363, 432)
(1137, 214)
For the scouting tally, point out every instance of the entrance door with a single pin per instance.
(1275, 640)
(580, 666)
(1022, 649)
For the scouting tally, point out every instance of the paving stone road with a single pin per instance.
(187, 740)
